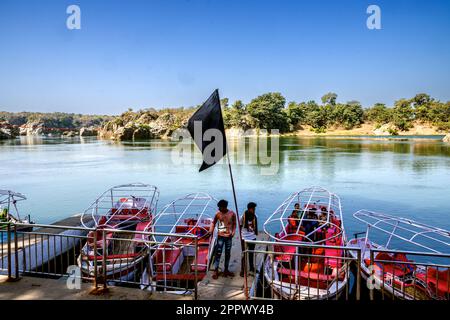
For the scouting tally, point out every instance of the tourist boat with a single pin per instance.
(175, 263)
(316, 267)
(10, 213)
(121, 217)
(400, 273)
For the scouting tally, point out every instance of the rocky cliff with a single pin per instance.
(143, 124)
(8, 131)
(447, 138)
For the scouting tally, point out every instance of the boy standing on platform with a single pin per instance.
(226, 227)
(249, 231)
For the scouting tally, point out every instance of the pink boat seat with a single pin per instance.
(202, 259)
(397, 269)
(142, 227)
(285, 252)
(439, 281)
(311, 279)
(166, 257)
(90, 238)
(115, 256)
(333, 263)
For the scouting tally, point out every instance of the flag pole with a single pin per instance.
(234, 196)
(238, 222)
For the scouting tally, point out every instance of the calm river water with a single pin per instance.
(407, 177)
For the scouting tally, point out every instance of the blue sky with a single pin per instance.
(159, 53)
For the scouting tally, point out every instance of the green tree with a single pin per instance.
(379, 114)
(233, 115)
(224, 103)
(402, 114)
(295, 113)
(268, 110)
(317, 116)
(348, 115)
(329, 98)
(440, 115)
(422, 105)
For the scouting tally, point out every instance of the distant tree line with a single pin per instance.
(270, 111)
(55, 119)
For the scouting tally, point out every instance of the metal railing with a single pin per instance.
(139, 259)
(302, 272)
(395, 277)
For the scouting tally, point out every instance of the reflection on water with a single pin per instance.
(62, 176)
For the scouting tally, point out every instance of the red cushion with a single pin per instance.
(439, 279)
(202, 259)
(166, 257)
(311, 279)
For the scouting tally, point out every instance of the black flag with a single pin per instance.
(213, 144)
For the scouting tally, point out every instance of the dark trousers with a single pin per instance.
(250, 253)
(221, 242)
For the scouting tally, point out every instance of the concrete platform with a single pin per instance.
(230, 288)
(31, 288)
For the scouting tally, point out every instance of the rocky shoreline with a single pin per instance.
(143, 125)
(151, 124)
(10, 131)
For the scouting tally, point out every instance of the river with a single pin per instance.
(402, 176)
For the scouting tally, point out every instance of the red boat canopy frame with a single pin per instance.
(306, 199)
(138, 200)
(406, 230)
(196, 207)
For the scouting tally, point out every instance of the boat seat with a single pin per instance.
(334, 263)
(309, 278)
(181, 229)
(141, 227)
(439, 281)
(115, 256)
(202, 259)
(130, 212)
(285, 252)
(90, 239)
(129, 216)
(166, 257)
(397, 269)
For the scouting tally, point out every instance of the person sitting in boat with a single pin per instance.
(296, 211)
(225, 220)
(323, 216)
(194, 229)
(292, 225)
(311, 223)
(249, 231)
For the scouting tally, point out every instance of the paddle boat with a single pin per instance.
(175, 262)
(10, 213)
(121, 217)
(400, 273)
(315, 269)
